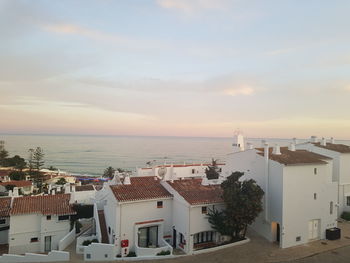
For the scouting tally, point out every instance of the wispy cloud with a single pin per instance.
(240, 90)
(191, 6)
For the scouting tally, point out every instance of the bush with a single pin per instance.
(131, 254)
(163, 253)
(88, 242)
(78, 226)
(345, 216)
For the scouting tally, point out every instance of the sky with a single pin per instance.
(175, 67)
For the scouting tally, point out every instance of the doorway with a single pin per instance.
(47, 243)
(278, 233)
(148, 236)
(174, 238)
(314, 229)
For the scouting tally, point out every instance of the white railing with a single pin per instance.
(67, 240)
(150, 252)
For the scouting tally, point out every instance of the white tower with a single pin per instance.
(238, 141)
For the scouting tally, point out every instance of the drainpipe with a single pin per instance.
(266, 157)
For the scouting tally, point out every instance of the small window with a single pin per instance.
(204, 210)
(109, 230)
(193, 171)
(2, 221)
(88, 256)
(315, 196)
(160, 204)
(331, 208)
(182, 239)
(106, 255)
(34, 239)
(48, 217)
(315, 170)
(62, 218)
(348, 200)
(298, 238)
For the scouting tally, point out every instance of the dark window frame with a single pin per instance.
(204, 210)
(63, 218)
(34, 240)
(159, 204)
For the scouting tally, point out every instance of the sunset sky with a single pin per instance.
(175, 67)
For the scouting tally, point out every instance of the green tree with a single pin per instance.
(17, 162)
(243, 203)
(17, 175)
(212, 171)
(35, 163)
(61, 181)
(3, 153)
(109, 172)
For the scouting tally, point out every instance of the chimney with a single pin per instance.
(15, 191)
(291, 147)
(276, 150)
(249, 146)
(127, 180)
(313, 139)
(53, 192)
(266, 151)
(324, 142)
(67, 188)
(295, 141)
(332, 140)
(205, 181)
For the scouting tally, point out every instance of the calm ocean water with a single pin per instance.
(92, 154)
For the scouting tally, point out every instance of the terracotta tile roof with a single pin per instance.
(141, 188)
(195, 193)
(288, 157)
(5, 204)
(22, 183)
(80, 188)
(46, 205)
(183, 165)
(340, 148)
(4, 173)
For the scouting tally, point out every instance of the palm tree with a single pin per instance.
(109, 172)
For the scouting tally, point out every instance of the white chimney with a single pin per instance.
(205, 181)
(323, 142)
(276, 150)
(67, 188)
(313, 139)
(15, 191)
(291, 147)
(53, 192)
(127, 180)
(332, 140)
(295, 141)
(79, 183)
(249, 146)
(266, 151)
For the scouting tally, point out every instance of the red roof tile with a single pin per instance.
(46, 205)
(80, 188)
(22, 183)
(195, 193)
(141, 188)
(5, 204)
(341, 148)
(288, 157)
(4, 173)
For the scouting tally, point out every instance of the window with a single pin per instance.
(315, 196)
(148, 237)
(315, 170)
(2, 221)
(34, 239)
(48, 217)
(298, 238)
(193, 171)
(160, 204)
(88, 256)
(182, 239)
(331, 208)
(348, 200)
(109, 230)
(204, 210)
(62, 218)
(204, 237)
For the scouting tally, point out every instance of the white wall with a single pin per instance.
(53, 256)
(4, 234)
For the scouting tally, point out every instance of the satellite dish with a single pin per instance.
(162, 171)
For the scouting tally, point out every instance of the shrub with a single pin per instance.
(78, 226)
(163, 253)
(131, 254)
(345, 216)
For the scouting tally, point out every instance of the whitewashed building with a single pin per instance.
(24, 187)
(340, 154)
(38, 223)
(300, 197)
(177, 171)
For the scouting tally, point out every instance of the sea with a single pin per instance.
(90, 155)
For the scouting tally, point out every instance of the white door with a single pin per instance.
(314, 229)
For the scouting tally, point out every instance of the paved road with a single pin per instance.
(340, 255)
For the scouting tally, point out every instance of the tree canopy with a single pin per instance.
(212, 171)
(109, 172)
(243, 203)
